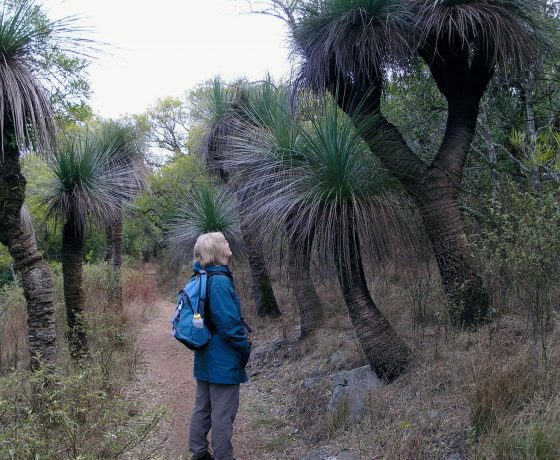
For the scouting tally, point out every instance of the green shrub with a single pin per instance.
(53, 416)
(519, 246)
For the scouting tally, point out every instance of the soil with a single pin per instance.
(164, 378)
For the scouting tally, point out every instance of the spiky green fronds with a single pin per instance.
(315, 179)
(507, 32)
(205, 208)
(352, 38)
(29, 43)
(123, 138)
(88, 181)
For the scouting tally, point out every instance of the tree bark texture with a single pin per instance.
(73, 274)
(261, 285)
(468, 300)
(463, 85)
(109, 243)
(116, 289)
(36, 275)
(307, 300)
(387, 353)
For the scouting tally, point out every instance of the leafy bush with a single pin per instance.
(54, 416)
(519, 245)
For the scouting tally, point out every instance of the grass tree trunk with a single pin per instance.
(73, 274)
(385, 351)
(109, 242)
(308, 302)
(36, 276)
(117, 233)
(261, 285)
(434, 187)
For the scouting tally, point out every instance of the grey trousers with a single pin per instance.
(215, 407)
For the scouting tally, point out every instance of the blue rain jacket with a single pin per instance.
(223, 359)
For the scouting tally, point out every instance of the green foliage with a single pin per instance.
(203, 209)
(144, 230)
(5, 264)
(519, 244)
(38, 56)
(55, 416)
(318, 176)
(91, 178)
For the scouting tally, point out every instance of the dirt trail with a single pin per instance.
(165, 377)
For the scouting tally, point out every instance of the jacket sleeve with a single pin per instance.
(225, 314)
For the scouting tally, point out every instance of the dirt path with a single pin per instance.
(165, 378)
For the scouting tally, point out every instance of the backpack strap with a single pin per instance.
(202, 292)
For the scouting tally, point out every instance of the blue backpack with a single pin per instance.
(191, 300)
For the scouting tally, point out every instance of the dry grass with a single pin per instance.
(485, 395)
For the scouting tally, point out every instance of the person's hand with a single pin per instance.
(245, 357)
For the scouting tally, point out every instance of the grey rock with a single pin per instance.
(352, 388)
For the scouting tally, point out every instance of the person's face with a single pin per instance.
(226, 254)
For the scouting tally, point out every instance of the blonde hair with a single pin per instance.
(209, 248)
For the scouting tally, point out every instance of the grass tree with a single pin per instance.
(327, 186)
(29, 45)
(204, 208)
(89, 185)
(269, 107)
(349, 47)
(124, 142)
(217, 113)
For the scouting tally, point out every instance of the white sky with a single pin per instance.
(165, 47)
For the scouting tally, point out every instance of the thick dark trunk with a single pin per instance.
(308, 302)
(116, 291)
(463, 88)
(36, 276)
(72, 272)
(109, 242)
(386, 352)
(265, 302)
(440, 213)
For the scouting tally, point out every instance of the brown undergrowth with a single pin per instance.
(485, 394)
(78, 409)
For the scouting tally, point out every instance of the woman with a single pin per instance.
(219, 367)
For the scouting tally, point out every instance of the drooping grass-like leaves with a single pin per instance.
(88, 180)
(509, 32)
(29, 46)
(205, 208)
(351, 37)
(317, 178)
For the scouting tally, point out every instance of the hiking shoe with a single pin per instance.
(204, 456)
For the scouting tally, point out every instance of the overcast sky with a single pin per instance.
(165, 47)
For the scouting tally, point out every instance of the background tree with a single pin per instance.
(348, 47)
(328, 188)
(33, 49)
(268, 107)
(89, 185)
(125, 143)
(217, 113)
(204, 208)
